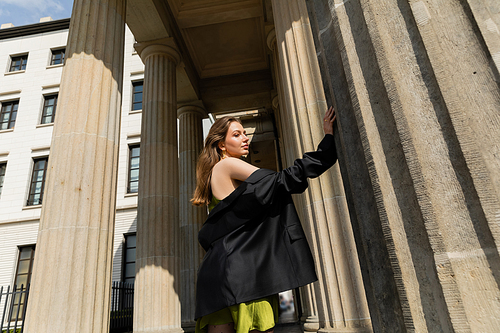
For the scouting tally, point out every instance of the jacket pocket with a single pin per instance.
(295, 232)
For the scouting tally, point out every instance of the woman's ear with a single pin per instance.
(221, 145)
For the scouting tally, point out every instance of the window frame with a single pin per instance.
(11, 124)
(55, 51)
(124, 257)
(30, 201)
(23, 56)
(129, 173)
(133, 103)
(45, 106)
(3, 171)
(21, 300)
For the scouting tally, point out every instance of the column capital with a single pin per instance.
(192, 109)
(271, 39)
(164, 46)
(275, 102)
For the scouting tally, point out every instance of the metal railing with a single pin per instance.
(14, 309)
(122, 307)
(15, 301)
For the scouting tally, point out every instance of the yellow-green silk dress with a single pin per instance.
(261, 314)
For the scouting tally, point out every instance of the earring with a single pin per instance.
(224, 154)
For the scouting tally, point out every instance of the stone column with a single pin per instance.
(157, 284)
(289, 147)
(310, 309)
(417, 85)
(191, 217)
(70, 290)
(340, 297)
(287, 126)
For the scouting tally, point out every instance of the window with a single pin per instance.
(137, 95)
(23, 278)
(3, 166)
(37, 181)
(49, 109)
(129, 258)
(57, 57)
(18, 63)
(133, 173)
(8, 114)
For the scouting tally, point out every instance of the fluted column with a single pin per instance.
(191, 217)
(71, 280)
(157, 285)
(287, 126)
(340, 297)
(419, 94)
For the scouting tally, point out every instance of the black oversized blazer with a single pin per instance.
(255, 243)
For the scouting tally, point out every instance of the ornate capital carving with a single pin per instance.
(275, 102)
(271, 39)
(192, 109)
(164, 46)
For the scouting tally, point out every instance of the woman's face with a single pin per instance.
(236, 142)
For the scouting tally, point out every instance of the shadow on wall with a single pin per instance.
(120, 257)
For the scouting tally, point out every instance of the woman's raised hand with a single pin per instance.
(328, 120)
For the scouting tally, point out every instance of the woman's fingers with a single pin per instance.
(328, 120)
(330, 115)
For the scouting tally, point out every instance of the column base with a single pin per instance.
(168, 330)
(189, 326)
(346, 330)
(311, 324)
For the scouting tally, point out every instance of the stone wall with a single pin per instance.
(415, 85)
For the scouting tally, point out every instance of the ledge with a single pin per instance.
(135, 112)
(46, 148)
(54, 66)
(32, 207)
(15, 72)
(13, 92)
(21, 220)
(49, 86)
(127, 195)
(133, 136)
(137, 73)
(7, 130)
(44, 125)
(126, 207)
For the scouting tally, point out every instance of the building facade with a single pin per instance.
(403, 229)
(33, 57)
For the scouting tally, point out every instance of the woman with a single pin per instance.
(255, 244)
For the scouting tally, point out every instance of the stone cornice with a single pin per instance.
(33, 29)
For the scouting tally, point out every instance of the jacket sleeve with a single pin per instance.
(294, 178)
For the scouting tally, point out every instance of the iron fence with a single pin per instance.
(122, 307)
(14, 309)
(15, 301)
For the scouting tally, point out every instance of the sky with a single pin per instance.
(22, 12)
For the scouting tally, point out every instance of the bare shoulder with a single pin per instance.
(234, 168)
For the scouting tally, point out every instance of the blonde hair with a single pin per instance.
(209, 156)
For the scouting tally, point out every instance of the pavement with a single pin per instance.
(288, 323)
(288, 328)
